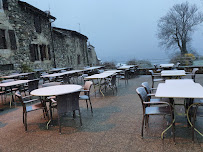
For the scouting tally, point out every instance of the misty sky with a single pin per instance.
(119, 29)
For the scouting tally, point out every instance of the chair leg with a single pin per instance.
(80, 118)
(143, 119)
(25, 121)
(86, 104)
(90, 105)
(23, 117)
(59, 123)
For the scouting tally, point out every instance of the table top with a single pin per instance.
(100, 76)
(56, 90)
(125, 67)
(13, 83)
(15, 75)
(60, 74)
(174, 81)
(167, 65)
(173, 73)
(111, 71)
(92, 68)
(179, 90)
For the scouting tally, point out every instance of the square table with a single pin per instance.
(100, 77)
(180, 89)
(172, 73)
(11, 84)
(170, 65)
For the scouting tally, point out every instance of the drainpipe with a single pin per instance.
(52, 44)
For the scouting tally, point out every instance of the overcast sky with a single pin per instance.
(119, 29)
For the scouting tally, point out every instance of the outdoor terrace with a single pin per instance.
(114, 126)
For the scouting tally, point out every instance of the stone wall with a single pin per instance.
(21, 19)
(69, 47)
(92, 56)
(63, 48)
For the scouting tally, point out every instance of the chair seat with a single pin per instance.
(157, 110)
(84, 97)
(34, 107)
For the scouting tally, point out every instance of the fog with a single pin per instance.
(119, 30)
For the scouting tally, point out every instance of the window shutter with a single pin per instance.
(36, 52)
(5, 4)
(41, 53)
(12, 39)
(37, 23)
(49, 52)
(2, 39)
(32, 53)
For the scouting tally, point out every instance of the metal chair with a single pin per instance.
(112, 83)
(193, 73)
(68, 103)
(125, 75)
(165, 109)
(31, 104)
(86, 96)
(155, 77)
(150, 93)
(197, 110)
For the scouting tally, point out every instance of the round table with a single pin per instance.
(67, 97)
(56, 90)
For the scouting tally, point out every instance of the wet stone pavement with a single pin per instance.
(114, 127)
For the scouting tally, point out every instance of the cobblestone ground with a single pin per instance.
(114, 126)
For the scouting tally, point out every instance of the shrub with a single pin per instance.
(185, 60)
(109, 65)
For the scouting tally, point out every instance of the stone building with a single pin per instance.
(92, 56)
(27, 39)
(70, 47)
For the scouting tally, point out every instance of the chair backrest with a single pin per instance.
(151, 71)
(88, 85)
(66, 79)
(147, 87)
(32, 85)
(142, 94)
(68, 102)
(113, 80)
(31, 76)
(194, 72)
(17, 94)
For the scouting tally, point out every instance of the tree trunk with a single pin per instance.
(184, 48)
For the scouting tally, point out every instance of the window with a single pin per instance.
(2, 39)
(78, 59)
(49, 52)
(4, 5)
(40, 52)
(34, 54)
(12, 39)
(37, 23)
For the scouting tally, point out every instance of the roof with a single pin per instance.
(36, 10)
(72, 32)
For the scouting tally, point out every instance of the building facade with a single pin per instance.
(28, 39)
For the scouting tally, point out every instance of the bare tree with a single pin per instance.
(176, 27)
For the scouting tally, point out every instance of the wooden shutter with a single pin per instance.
(41, 53)
(12, 39)
(49, 52)
(78, 59)
(32, 53)
(2, 39)
(37, 23)
(36, 52)
(5, 4)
